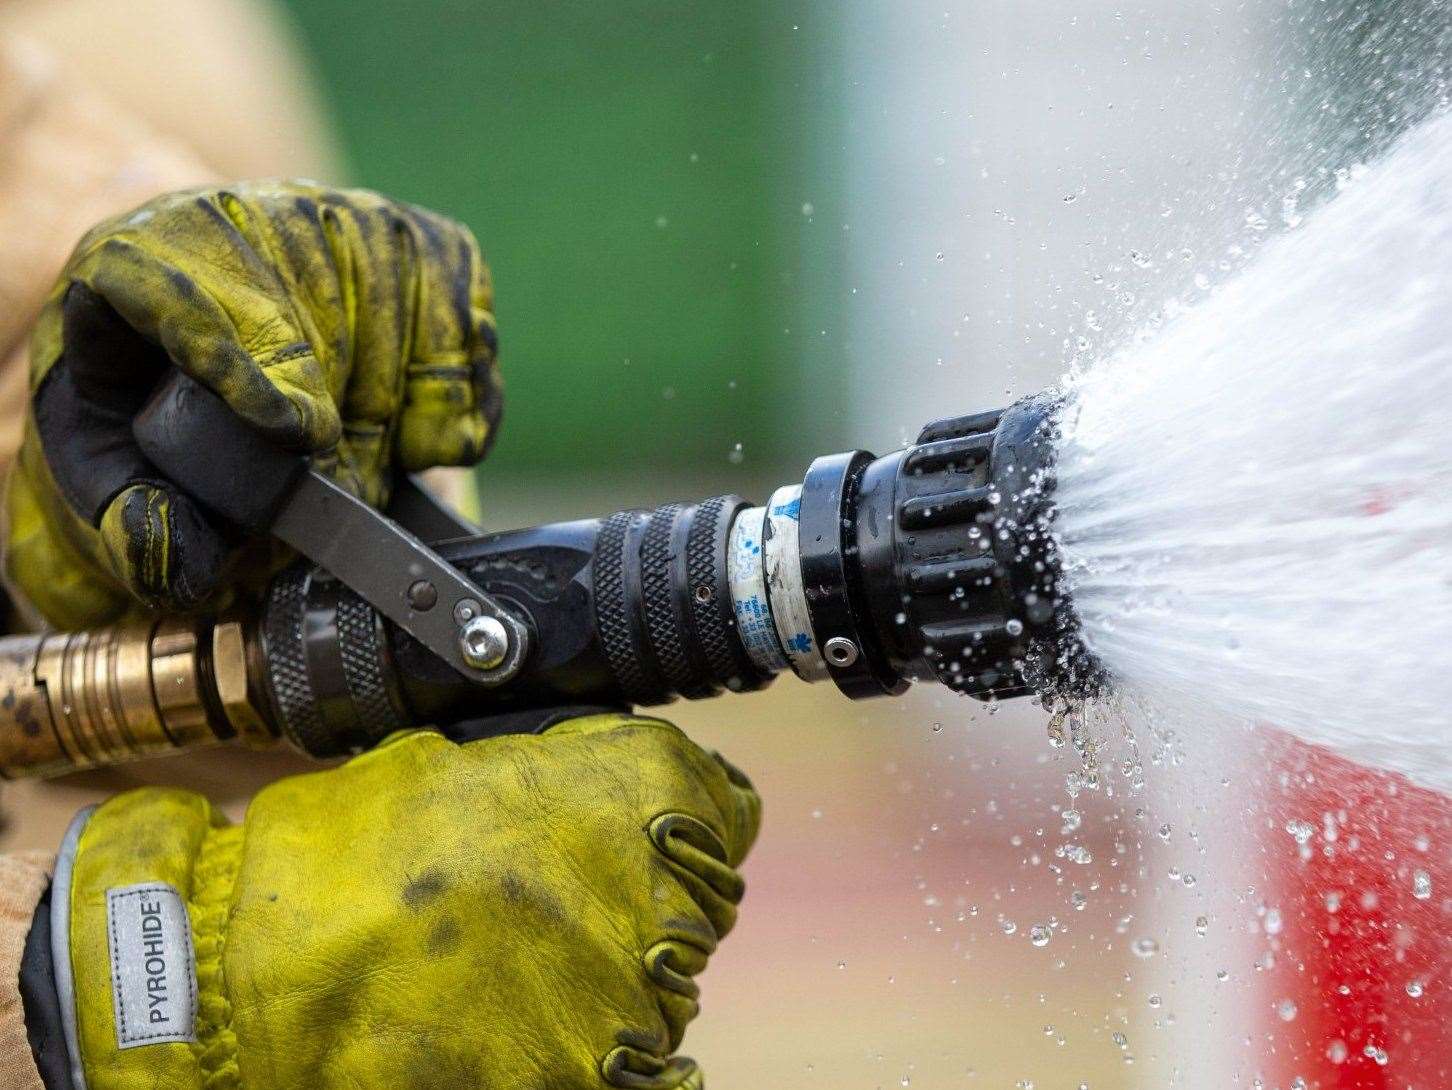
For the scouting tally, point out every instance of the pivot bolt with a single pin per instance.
(483, 642)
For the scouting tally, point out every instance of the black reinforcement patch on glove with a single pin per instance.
(41, 1002)
(85, 405)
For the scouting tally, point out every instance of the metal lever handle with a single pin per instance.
(197, 441)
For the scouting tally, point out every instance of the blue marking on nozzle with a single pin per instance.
(792, 510)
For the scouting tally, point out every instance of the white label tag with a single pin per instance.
(153, 968)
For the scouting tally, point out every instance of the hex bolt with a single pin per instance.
(483, 643)
(840, 651)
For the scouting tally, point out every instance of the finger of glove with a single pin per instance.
(672, 966)
(191, 274)
(631, 1068)
(746, 806)
(367, 330)
(699, 864)
(452, 398)
(161, 546)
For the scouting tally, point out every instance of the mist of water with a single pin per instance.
(1255, 504)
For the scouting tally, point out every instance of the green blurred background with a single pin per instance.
(636, 174)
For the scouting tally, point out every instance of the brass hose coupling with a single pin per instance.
(86, 699)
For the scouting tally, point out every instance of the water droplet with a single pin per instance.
(1078, 901)
(1421, 885)
(1286, 1010)
(808, 208)
(1202, 925)
(1155, 1000)
(1144, 948)
(1273, 921)
(1375, 1054)
(1301, 830)
(1013, 626)
(1008, 926)
(1039, 934)
(1337, 1051)
(1415, 989)
(1164, 831)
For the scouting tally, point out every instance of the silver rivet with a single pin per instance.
(465, 610)
(483, 642)
(840, 651)
(422, 596)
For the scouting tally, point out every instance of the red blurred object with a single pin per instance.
(1357, 869)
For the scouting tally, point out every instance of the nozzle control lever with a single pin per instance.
(193, 437)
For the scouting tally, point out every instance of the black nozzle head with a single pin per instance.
(1022, 473)
(962, 557)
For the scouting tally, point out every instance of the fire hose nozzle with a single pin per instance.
(935, 562)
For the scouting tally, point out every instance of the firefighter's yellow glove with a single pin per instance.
(525, 911)
(339, 323)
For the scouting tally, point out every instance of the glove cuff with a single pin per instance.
(151, 882)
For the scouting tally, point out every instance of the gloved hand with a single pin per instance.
(341, 324)
(525, 911)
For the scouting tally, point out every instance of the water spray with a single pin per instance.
(1253, 502)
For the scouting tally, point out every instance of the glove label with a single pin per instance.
(153, 966)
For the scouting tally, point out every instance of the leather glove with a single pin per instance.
(339, 323)
(524, 911)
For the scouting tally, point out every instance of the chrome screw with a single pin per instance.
(483, 642)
